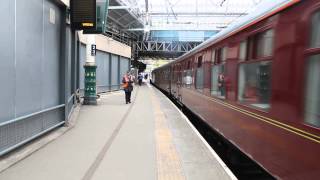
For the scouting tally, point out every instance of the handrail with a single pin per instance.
(70, 98)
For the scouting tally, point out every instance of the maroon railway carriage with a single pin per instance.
(258, 84)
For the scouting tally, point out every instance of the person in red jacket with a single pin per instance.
(127, 85)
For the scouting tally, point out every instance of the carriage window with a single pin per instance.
(315, 30)
(220, 55)
(254, 84)
(199, 61)
(223, 54)
(217, 73)
(264, 43)
(213, 55)
(187, 78)
(217, 81)
(312, 98)
(243, 51)
(199, 74)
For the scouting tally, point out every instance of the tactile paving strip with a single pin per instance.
(168, 162)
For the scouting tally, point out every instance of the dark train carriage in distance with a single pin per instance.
(258, 83)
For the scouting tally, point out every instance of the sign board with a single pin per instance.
(93, 50)
(83, 14)
(102, 14)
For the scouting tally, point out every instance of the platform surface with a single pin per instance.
(145, 140)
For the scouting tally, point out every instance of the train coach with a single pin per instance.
(257, 83)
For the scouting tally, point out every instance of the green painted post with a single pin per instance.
(90, 92)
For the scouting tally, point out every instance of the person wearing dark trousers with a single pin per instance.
(140, 77)
(127, 85)
(128, 97)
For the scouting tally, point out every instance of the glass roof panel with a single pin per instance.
(191, 14)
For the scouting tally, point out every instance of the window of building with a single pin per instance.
(243, 51)
(199, 74)
(312, 98)
(315, 30)
(218, 87)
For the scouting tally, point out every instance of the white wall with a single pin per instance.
(109, 45)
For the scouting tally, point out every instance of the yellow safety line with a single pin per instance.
(168, 162)
(265, 119)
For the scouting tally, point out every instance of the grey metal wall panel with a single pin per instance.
(69, 103)
(7, 57)
(102, 61)
(77, 60)
(100, 70)
(34, 78)
(74, 65)
(51, 55)
(82, 62)
(124, 66)
(114, 73)
(106, 68)
(68, 53)
(103, 72)
(28, 56)
(52, 118)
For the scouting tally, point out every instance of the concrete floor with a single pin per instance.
(148, 139)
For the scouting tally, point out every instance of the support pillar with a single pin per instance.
(90, 90)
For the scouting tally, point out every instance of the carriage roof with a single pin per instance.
(261, 12)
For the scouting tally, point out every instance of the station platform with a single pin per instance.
(145, 140)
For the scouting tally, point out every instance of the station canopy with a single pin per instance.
(190, 15)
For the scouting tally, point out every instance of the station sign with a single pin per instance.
(93, 50)
(83, 14)
(101, 20)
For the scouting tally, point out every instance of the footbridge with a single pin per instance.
(162, 49)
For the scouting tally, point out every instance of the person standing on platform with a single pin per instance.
(221, 84)
(140, 77)
(127, 85)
